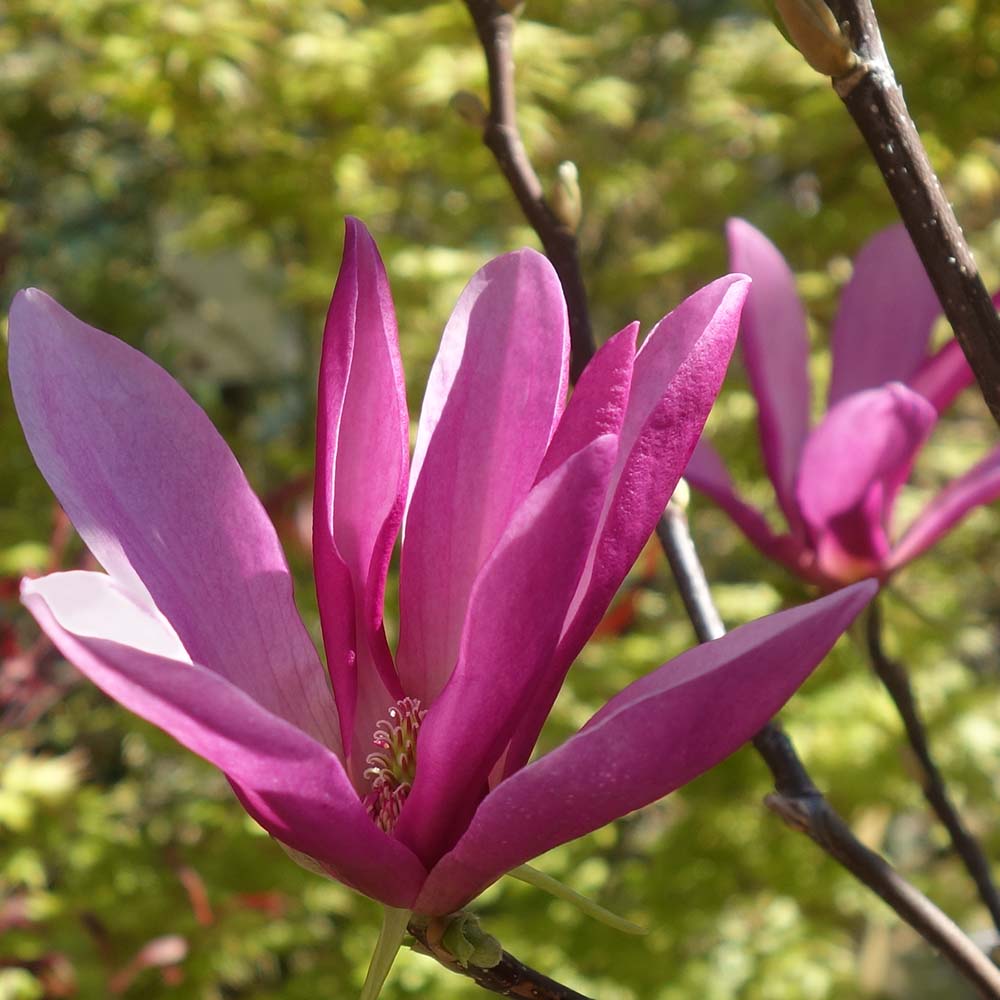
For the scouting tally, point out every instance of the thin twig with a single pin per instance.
(897, 682)
(875, 102)
(800, 803)
(509, 977)
(495, 27)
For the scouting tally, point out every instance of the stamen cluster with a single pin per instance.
(391, 767)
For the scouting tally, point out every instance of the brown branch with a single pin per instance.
(800, 803)
(495, 27)
(875, 102)
(897, 682)
(509, 977)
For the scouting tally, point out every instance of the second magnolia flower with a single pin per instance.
(522, 514)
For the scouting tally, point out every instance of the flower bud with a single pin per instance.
(681, 496)
(814, 31)
(470, 108)
(469, 943)
(566, 200)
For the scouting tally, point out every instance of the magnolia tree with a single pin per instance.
(407, 770)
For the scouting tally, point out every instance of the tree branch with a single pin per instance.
(897, 682)
(495, 27)
(875, 102)
(509, 977)
(800, 803)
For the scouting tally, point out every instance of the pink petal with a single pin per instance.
(362, 446)
(676, 378)
(885, 318)
(706, 473)
(775, 347)
(981, 484)
(515, 617)
(854, 463)
(161, 502)
(943, 376)
(677, 375)
(295, 787)
(656, 735)
(494, 395)
(599, 400)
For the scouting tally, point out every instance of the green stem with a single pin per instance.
(390, 939)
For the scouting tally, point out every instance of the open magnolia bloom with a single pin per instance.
(404, 776)
(837, 483)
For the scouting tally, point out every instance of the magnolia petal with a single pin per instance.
(981, 484)
(494, 394)
(775, 346)
(599, 400)
(885, 317)
(706, 473)
(362, 446)
(676, 377)
(597, 406)
(162, 503)
(656, 735)
(854, 463)
(295, 787)
(513, 625)
(943, 376)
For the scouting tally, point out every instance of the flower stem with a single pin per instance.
(390, 939)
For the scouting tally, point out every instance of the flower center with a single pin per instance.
(392, 764)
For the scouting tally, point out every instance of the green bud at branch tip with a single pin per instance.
(465, 939)
(681, 498)
(816, 34)
(470, 108)
(567, 202)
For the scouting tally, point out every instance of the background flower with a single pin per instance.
(837, 483)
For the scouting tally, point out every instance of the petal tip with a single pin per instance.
(354, 226)
(739, 231)
(739, 283)
(736, 225)
(530, 260)
(29, 299)
(855, 597)
(529, 253)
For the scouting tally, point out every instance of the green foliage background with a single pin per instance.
(177, 173)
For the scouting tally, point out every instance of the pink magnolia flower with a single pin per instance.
(837, 483)
(404, 775)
